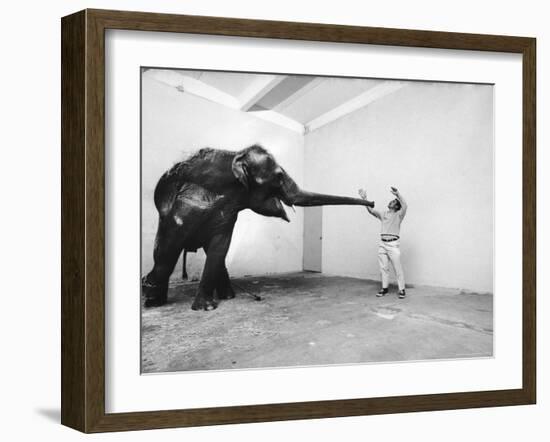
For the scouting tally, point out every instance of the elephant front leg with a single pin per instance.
(214, 272)
(224, 290)
(204, 299)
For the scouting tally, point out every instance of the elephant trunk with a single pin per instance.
(305, 198)
(292, 195)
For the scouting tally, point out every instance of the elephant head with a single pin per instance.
(268, 185)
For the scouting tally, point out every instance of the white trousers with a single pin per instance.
(390, 252)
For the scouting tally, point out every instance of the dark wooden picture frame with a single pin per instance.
(83, 220)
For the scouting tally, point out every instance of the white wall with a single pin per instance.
(175, 125)
(433, 141)
(30, 372)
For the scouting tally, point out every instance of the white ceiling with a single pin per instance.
(328, 94)
(299, 102)
(233, 83)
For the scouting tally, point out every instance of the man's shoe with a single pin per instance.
(382, 292)
(402, 294)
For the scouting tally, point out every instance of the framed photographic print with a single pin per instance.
(267, 220)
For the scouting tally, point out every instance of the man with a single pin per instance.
(388, 250)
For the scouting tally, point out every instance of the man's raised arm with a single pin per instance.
(373, 212)
(401, 200)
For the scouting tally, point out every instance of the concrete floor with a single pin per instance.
(314, 319)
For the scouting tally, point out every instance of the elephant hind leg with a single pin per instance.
(190, 208)
(155, 294)
(168, 247)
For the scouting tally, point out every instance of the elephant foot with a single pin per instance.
(154, 302)
(155, 296)
(201, 303)
(226, 292)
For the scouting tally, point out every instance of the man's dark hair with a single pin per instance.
(398, 204)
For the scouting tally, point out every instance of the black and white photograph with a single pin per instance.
(305, 220)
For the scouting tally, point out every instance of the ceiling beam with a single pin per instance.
(184, 83)
(360, 101)
(198, 88)
(299, 93)
(258, 89)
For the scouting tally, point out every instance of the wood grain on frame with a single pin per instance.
(73, 252)
(83, 220)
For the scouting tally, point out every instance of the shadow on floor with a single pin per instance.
(51, 414)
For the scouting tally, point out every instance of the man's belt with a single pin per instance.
(395, 238)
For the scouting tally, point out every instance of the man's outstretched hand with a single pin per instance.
(363, 194)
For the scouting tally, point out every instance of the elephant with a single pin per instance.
(198, 201)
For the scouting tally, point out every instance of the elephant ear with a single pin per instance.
(238, 166)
